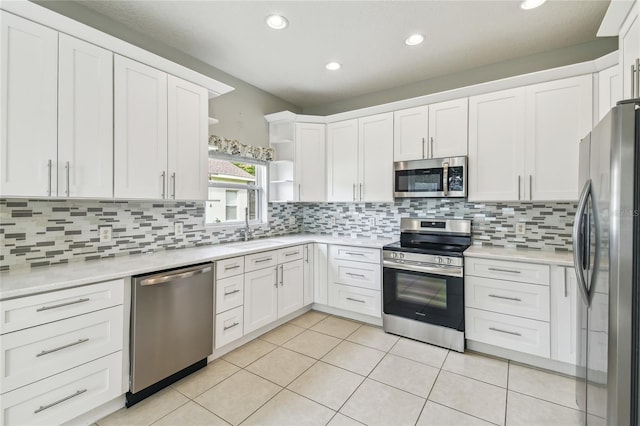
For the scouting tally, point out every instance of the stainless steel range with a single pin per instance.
(423, 281)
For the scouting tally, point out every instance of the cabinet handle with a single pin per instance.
(66, 398)
(46, 308)
(633, 80)
(565, 287)
(306, 253)
(227, 268)
(637, 78)
(353, 253)
(361, 190)
(163, 175)
(68, 345)
(530, 187)
(173, 180)
(231, 326)
(519, 196)
(264, 259)
(423, 144)
(511, 271)
(431, 155)
(276, 283)
(67, 167)
(355, 300)
(49, 167)
(232, 292)
(291, 253)
(281, 275)
(515, 299)
(351, 274)
(513, 333)
(354, 192)
(299, 192)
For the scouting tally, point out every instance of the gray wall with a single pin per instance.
(524, 65)
(241, 112)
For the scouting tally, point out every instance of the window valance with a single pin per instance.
(237, 149)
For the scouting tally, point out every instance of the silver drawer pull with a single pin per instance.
(515, 299)
(353, 253)
(511, 271)
(355, 300)
(66, 398)
(351, 274)
(232, 325)
(264, 259)
(68, 345)
(513, 333)
(420, 314)
(291, 253)
(46, 308)
(227, 268)
(233, 292)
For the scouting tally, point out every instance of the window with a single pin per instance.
(236, 186)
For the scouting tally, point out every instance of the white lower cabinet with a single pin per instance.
(355, 299)
(230, 294)
(308, 270)
(565, 303)
(229, 326)
(320, 280)
(290, 292)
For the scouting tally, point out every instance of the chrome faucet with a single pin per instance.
(246, 223)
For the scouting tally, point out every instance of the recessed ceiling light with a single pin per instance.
(333, 66)
(531, 4)
(277, 22)
(414, 39)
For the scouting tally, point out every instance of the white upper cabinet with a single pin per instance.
(310, 162)
(558, 115)
(342, 160)
(629, 51)
(496, 145)
(29, 95)
(448, 123)
(375, 150)
(140, 123)
(85, 120)
(609, 90)
(433, 131)
(187, 140)
(410, 130)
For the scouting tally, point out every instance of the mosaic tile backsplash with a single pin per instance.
(42, 232)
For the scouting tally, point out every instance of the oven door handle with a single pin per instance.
(449, 271)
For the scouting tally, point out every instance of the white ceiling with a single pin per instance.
(367, 37)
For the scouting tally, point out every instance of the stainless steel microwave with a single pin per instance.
(436, 178)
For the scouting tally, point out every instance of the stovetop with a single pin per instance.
(434, 249)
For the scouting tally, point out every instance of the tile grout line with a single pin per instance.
(506, 401)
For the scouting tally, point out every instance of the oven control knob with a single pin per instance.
(439, 259)
(394, 254)
(401, 255)
(448, 261)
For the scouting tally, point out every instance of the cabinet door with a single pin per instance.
(140, 137)
(448, 128)
(310, 162)
(375, 148)
(320, 268)
(187, 140)
(629, 49)
(85, 120)
(564, 315)
(609, 89)
(342, 160)
(558, 115)
(496, 146)
(291, 290)
(410, 133)
(309, 263)
(260, 298)
(29, 109)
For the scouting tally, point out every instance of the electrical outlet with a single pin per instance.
(333, 221)
(105, 234)
(372, 221)
(178, 229)
(521, 228)
(292, 220)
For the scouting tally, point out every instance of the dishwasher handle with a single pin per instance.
(166, 277)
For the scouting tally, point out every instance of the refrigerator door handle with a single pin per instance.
(578, 242)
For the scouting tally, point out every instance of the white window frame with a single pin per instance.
(261, 186)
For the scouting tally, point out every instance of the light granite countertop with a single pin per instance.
(56, 277)
(521, 255)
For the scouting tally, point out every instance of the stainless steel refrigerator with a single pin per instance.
(606, 235)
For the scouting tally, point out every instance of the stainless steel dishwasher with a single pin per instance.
(171, 327)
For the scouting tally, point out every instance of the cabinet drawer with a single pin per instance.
(359, 254)
(515, 271)
(257, 261)
(229, 293)
(23, 312)
(62, 397)
(229, 267)
(290, 253)
(365, 275)
(229, 326)
(506, 331)
(355, 299)
(507, 297)
(39, 352)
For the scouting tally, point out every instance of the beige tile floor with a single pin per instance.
(325, 370)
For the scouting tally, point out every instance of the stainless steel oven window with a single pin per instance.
(422, 290)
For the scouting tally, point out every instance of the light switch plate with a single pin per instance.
(521, 228)
(178, 229)
(333, 221)
(292, 220)
(105, 234)
(372, 221)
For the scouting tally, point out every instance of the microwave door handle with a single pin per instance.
(445, 178)
(578, 242)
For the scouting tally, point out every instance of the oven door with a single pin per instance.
(433, 295)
